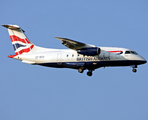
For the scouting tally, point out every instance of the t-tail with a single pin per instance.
(20, 42)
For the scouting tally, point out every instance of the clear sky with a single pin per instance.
(30, 92)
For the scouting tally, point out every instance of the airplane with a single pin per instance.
(79, 56)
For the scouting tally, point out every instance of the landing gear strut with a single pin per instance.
(134, 66)
(89, 73)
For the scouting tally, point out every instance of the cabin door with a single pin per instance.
(59, 59)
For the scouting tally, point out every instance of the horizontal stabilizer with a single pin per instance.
(12, 27)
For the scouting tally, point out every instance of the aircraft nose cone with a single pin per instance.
(144, 61)
(141, 60)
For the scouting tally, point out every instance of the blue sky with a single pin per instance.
(30, 92)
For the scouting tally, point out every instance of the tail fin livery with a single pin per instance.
(19, 40)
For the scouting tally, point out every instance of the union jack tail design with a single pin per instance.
(20, 42)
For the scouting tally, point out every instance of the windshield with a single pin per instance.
(131, 52)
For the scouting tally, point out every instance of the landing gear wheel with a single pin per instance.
(89, 73)
(80, 70)
(134, 70)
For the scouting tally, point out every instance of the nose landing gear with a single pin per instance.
(134, 70)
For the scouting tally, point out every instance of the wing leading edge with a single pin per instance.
(81, 48)
(72, 44)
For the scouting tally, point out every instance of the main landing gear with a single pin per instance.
(89, 73)
(81, 70)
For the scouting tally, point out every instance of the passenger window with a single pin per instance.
(127, 52)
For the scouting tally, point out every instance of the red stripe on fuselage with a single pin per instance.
(115, 51)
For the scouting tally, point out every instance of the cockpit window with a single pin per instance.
(127, 52)
(131, 52)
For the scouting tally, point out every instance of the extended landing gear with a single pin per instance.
(134, 66)
(134, 70)
(89, 73)
(81, 70)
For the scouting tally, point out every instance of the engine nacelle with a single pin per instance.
(92, 51)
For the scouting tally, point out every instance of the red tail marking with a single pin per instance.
(25, 50)
(11, 38)
(16, 38)
(32, 46)
(27, 40)
(12, 56)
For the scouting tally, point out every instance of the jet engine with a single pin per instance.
(92, 51)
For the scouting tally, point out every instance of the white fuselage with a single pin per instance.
(109, 56)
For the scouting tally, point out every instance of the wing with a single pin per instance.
(72, 44)
(81, 48)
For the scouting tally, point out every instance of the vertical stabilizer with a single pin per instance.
(20, 42)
